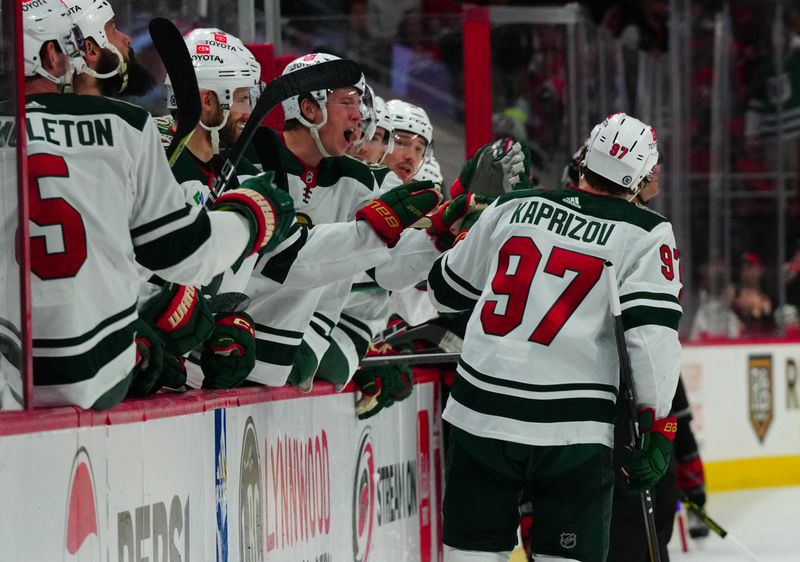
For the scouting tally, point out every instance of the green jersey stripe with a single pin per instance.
(276, 353)
(75, 368)
(278, 332)
(320, 330)
(94, 106)
(650, 316)
(649, 296)
(279, 265)
(530, 409)
(77, 340)
(356, 323)
(459, 281)
(534, 387)
(175, 246)
(444, 293)
(11, 328)
(325, 320)
(158, 223)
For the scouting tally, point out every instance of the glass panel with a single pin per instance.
(11, 387)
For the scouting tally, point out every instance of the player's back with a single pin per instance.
(82, 153)
(541, 332)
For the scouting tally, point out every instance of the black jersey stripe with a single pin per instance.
(459, 280)
(359, 342)
(636, 316)
(561, 410)
(356, 322)
(49, 371)
(319, 329)
(535, 387)
(325, 320)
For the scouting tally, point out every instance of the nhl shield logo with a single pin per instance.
(568, 540)
(760, 393)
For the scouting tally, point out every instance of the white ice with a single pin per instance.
(765, 520)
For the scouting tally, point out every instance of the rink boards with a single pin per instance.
(745, 398)
(250, 475)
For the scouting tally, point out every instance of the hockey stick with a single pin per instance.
(713, 525)
(327, 75)
(410, 359)
(172, 49)
(626, 394)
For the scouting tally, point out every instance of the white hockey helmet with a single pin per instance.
(90, 18)
(291, 106)
(410, 118)
(622, 150)
(42, 22)
(220, 68)
(430, 171)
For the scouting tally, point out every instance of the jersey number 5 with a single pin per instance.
(519, 261)
(54, 211)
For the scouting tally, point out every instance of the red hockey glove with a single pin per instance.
(646, 465)
(399, 208)
(269, 210)
(229, 355)
(181, 317)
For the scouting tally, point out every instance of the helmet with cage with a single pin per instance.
(623, 150)
(42, 22)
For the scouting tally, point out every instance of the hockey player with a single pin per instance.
(412, 134)
(534, 400)
(108, 64)
(375, 148)
(102, 200)
(329, 190)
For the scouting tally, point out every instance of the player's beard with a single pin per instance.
(140, 80)
(230, 133)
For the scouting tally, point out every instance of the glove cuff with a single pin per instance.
(666, 427)
(257, 209)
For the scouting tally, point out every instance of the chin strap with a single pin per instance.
(121, 70)
(314, 128)
(214, 131)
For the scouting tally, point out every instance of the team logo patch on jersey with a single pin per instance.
(569, 540)
(573, 201)
(303, 219)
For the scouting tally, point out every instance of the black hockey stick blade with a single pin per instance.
(172, 49)
(327, 75)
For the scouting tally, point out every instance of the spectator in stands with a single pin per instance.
(751, 303)
(715, 317)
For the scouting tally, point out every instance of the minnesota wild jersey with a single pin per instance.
(539, 364)
(102, 198)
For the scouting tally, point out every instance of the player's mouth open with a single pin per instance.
(406, 169)
(348, 134)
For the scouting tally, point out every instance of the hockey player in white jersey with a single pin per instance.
(534, 400)
(329, 190)
(102, 199)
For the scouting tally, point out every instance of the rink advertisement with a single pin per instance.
(744, 401)
(295, 479)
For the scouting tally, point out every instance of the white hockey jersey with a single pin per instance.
(102, 198)
(539, 364)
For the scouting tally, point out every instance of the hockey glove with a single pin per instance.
(495, 169)
(149, 360)
(399, 208)
(173, 375)
(181, 317)
(382, 386)
(230, 353)
(269, 210)
(691, 480)
(646, 465)
(447, 221)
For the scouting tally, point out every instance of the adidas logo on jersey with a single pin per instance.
(573, 201)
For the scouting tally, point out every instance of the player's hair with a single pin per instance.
(602, 184)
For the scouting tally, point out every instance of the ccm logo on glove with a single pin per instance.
(239, 322)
